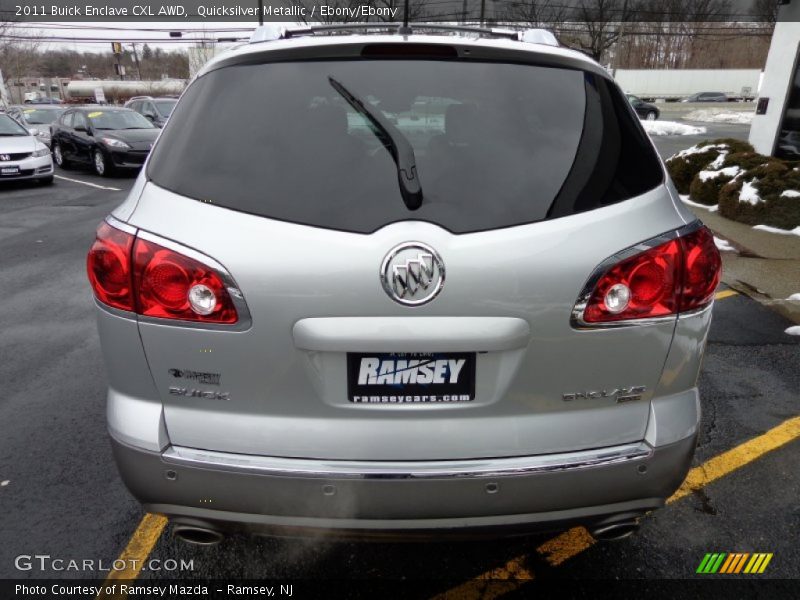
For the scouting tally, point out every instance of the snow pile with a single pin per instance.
(720, 115)
(727, 171)
(790, 194)
(793, 330)
(794, 297)
(674, 128)
(795, 231)
(723, 245)
(749, 193)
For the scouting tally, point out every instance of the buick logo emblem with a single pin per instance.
(412, 273)
(5, 157)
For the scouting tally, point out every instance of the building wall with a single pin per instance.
(778, 75)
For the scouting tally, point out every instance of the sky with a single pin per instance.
(63, 35)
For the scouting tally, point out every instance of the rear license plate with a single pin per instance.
(9, 171)
(410, 377)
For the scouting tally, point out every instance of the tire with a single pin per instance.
(101, 163)
(58, 156)
(651, 116)
(47, 180)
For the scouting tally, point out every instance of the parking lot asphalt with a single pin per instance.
(60, 494)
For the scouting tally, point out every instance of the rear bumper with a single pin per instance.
(499, 496)
(129, 159)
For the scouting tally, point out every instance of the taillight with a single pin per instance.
(170, 285)
(139, 275)
(675, 276)
(109, 267)
(701, 269)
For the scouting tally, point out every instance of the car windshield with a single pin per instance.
(164, 107)
(492, 144)
(39, 116)
(118, 119)
(9, 127)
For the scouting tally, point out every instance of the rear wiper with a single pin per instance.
(399, 147)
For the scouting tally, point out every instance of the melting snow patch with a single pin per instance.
(790, 194)
(720, 116)
(697, 149)
(686, 200)
(674, 128)
(749, 193)
(727, 171)
(723, 245)
(4, 483)
(794, 297)
(795, 231)
(793, 330)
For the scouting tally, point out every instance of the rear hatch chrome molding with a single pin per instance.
(341, 469)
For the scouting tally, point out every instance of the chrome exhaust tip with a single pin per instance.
(199, 536)
(613, 532)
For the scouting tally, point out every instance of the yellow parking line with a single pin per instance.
(725, 294)
(136, 552)
(570, 543)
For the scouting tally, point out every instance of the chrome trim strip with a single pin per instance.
(440, 469)
(122, 226)
(576, 319)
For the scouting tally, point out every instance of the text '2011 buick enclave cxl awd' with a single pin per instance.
(439, 284)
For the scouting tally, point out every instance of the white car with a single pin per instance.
(22, 155)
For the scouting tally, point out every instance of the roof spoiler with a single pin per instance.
(273, 31)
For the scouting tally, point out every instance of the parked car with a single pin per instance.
(488, 320)
(107, 138)
(707, 97)
(645, 110)
(38, 118)
(155, 110)
(22, 156)
(42, 101)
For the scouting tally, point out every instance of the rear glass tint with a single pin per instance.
(494, 143)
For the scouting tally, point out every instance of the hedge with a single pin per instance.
(775, 208)
(685, 165)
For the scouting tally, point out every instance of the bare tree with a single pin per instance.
(536, 13)
(601, 24)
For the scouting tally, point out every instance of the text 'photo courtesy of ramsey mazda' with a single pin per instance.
(441, 284)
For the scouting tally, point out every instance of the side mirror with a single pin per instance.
(80, 128)
(33, 131)
(150, 116)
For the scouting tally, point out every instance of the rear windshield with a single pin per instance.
(494, 144)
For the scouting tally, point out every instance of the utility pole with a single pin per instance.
(620, 34)
(136, 60)
(116, 48)
(483, 13)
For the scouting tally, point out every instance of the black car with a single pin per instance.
(707, 97)
(155, 110)
(107, 138)
(645, 110)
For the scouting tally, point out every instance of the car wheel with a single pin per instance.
(651, 116)
(58, 155)
(101, 164)
(47, 180)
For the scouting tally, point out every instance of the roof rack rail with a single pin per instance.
(272, 31)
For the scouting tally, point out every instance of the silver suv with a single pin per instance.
(441, 282)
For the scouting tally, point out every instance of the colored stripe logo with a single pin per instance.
(734, 563)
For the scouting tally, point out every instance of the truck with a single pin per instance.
(671, 85)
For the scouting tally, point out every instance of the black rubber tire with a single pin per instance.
(62, 162)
